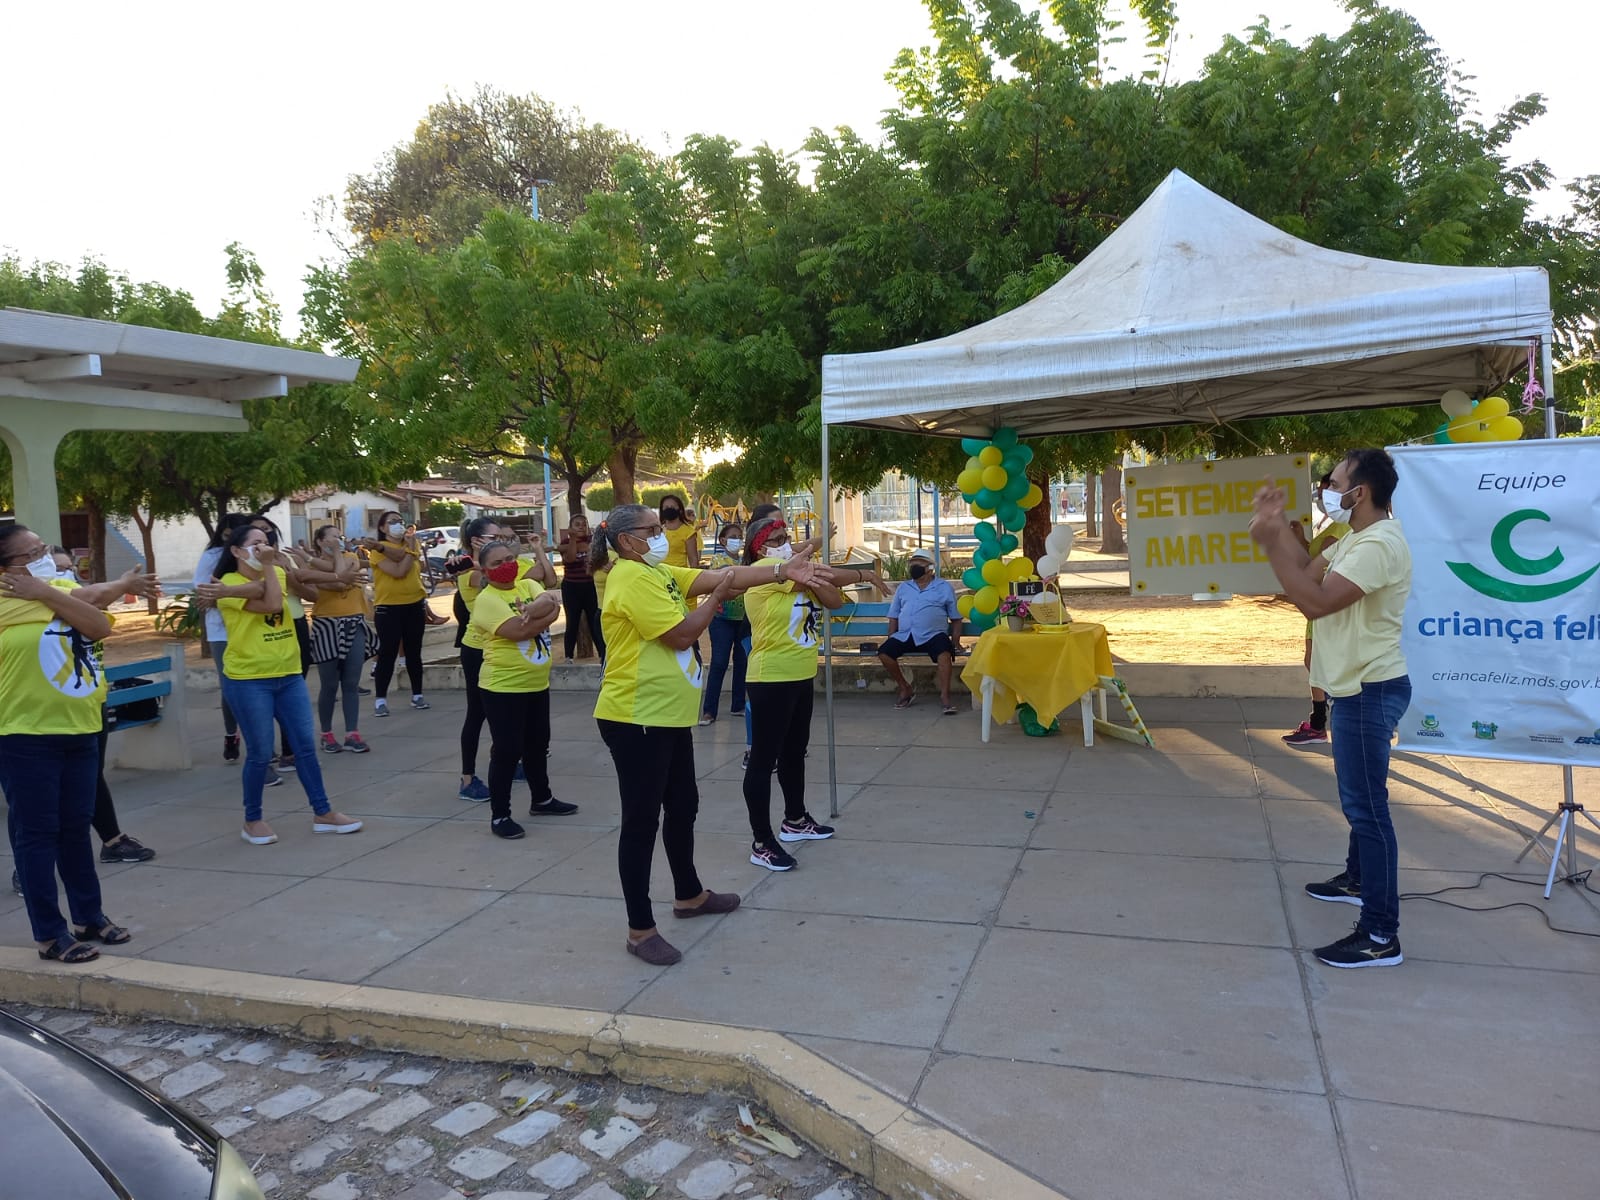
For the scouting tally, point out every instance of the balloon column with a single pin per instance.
(1486, 420)
(995, 484)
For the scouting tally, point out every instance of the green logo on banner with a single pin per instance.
(1508, 590)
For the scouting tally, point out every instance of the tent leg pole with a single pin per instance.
(825, 512)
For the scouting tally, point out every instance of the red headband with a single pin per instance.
(760, 539)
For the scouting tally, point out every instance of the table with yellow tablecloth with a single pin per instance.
(1049, 669)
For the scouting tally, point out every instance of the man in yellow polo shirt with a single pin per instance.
(1355, 593)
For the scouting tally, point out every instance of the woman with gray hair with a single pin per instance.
(649, 701)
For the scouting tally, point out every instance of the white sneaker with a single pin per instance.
(321, 826)
(246, 835)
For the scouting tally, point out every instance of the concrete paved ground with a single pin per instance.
(1093, 962)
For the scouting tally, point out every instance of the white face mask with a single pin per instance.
(251, 559)
(657, 554)
(734, 545)
(43, 567)
(782, 553)
(1332, 505)
(396, 529)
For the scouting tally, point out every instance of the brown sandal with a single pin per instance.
(655, 950)
(715, 902)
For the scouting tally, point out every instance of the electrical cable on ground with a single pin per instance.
(1582, 878)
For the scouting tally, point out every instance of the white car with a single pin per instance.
(439, 541)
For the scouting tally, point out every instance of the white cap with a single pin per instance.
(922, 552)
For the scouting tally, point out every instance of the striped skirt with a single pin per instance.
(331, 638)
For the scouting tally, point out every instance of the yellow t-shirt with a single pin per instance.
(469, 594)
(334, 603)
(260, 645)
(509, 666)
(646, 682)
(785, 631)
(386, 589)
(600, 578)
(678, 543)
(1361, 644)
(51, 679)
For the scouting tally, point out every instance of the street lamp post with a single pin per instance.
(549, 507)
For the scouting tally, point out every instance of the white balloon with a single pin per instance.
(1455, 403)
(1049, 566)
(1060, 540)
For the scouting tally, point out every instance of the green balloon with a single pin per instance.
(984, 553)
(1441, 435)
(1010, 515)
(973, 445)
(973, 578)
(1008, 543)
(982, 621)
(1016, 488)
(987, 498)
(1025, 453)
(1005, 438)
(985, 532)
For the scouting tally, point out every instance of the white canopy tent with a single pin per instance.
(1196, 312)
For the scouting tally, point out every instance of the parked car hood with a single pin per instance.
(75, 1126)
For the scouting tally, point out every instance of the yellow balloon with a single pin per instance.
(994, 478)
(986, 600)
(1491, 407)
(1503, 429)
(964, 604)
(991, 456)
(994, 573)
(1467, 430)
(970, 481)
(1019, 569)
(982, 513)
(1033, 497)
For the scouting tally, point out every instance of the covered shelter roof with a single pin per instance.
(1194, 311)
(75, 359)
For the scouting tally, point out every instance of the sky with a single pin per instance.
(153, 134)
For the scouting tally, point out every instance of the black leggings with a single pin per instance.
(105, 814)
(399, 625)
(472, 723)
(655, 777)
(580, 599)
(780, 716)
(519, 729)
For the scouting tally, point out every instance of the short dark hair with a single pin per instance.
(1374, 470)
(763, 510)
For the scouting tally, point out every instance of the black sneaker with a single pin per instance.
(773, 858)
(126, 849)
(552, 808)
(286, 761)
(1341, 889)
(506, 828)
(16, 883)
(1359, 950)
(805, 829)
(230, 747)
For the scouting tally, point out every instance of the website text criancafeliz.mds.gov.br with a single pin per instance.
(1513, 679)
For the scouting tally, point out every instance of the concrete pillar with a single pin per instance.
(33, 445)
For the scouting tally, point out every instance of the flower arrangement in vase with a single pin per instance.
(1015, 610)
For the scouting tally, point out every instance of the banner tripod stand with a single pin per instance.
(1565, 819)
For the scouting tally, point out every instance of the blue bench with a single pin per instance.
(119, 697)
(859, 619)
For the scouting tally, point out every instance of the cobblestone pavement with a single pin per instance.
(342, 1123)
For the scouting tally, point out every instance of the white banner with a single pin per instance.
(1502, 631)
(1189, 524)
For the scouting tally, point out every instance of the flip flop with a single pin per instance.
(905, 701)
(950, 710)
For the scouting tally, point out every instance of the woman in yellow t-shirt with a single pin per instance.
(512, 616)
(785, 637)
(339, 637)
(400, 603)
(51, 691)
(262, 681)
(649, 701)
(683, 539)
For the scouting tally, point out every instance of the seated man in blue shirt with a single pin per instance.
(923, 618)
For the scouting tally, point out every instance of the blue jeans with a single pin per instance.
(49, 782)
(727, 641)
(256, 703)
(1361, 726)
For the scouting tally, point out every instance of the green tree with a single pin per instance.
(469, 157)
(444, 512)
(530, 342)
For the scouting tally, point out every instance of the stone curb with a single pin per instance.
(897, 1150)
